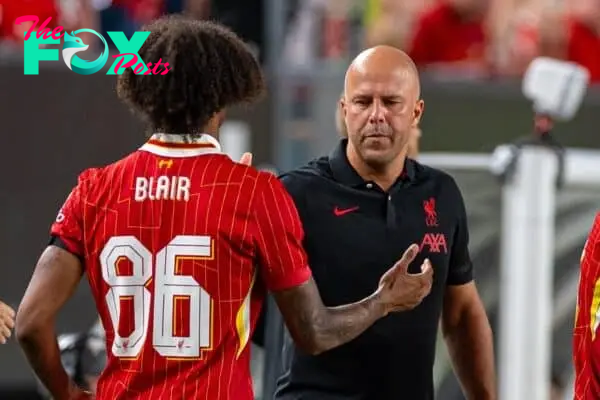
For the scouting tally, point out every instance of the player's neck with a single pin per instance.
(384, 176)
(213, 125)
(212, 131)
(182, 137)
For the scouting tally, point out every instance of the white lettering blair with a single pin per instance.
(162, 188)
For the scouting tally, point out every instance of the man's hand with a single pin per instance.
(7, 322)
(246, 159)
(401, 291)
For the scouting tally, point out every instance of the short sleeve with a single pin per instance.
(282, 258)
(461, 267)
(68, 225)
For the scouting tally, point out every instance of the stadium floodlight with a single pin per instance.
(555, 87)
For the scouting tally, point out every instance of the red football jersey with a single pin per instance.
(584, 48)
(586, 338)
(179, 243)
(441, 36)
(10, 10)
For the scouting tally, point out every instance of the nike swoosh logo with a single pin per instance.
(343, 211)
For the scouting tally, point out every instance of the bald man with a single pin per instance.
(360, 206)
(7, 322)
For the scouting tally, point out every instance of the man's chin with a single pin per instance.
(378, 156)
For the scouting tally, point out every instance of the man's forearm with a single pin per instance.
(316, 328)
(41, 349)
(339, 325)
(470, 344)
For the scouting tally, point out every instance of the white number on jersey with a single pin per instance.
(168, 286)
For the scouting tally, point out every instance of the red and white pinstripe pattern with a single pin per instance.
(586, 341)
(252, 221)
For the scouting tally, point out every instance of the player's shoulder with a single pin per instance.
(247, 178)
(594, 234)
(97, 175)
(89, 176)
(587, 260)
(245, 173)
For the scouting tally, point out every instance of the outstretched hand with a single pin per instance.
(400, 290)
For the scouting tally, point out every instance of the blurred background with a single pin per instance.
(471, 54)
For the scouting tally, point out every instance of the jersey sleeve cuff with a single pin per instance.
(290, 281)
(66, 244)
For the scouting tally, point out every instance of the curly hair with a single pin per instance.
(211, 69)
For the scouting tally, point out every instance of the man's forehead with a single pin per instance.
(382, 69)
(377, 74)
(379, 84)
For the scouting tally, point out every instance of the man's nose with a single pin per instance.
(377, 112)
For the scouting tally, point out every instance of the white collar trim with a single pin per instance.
(168, 145)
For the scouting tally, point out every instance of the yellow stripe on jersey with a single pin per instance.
(594, 310)
(242, 320)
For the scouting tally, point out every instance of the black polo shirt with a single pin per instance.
(354, 232)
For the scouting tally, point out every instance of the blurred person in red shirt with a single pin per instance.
(391, 22)
(452, 37)
(78, 14)
(518, 44)
(10, 10)
(579, 38)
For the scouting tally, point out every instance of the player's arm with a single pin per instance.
(314, 327)
(54, 280)
(465, 324)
